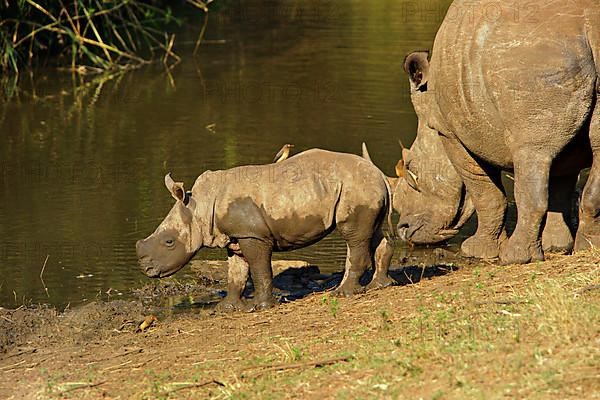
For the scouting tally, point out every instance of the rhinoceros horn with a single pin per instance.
(404, 172)
(175, 188)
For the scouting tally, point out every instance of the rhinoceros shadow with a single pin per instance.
(295, 283)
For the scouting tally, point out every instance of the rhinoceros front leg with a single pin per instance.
(557, 236)
(258, 254)
(486, 191)
(532, 173)
(588, 233)
(237, 276)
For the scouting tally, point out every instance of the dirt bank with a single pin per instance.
(472, 331)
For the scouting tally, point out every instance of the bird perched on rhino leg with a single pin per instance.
(283, 153)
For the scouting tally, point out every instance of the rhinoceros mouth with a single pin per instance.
(149, 268)
(164, 274)
(422, 229)
(407, 232)
(153, 270)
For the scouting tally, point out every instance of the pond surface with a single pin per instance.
(82, 167)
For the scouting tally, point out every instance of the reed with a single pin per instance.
(87, 34)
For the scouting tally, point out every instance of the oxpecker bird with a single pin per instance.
(283, 153)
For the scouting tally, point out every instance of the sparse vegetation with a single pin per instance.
(333, 304)
(88, 34)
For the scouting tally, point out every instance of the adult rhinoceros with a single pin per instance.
(509, 86)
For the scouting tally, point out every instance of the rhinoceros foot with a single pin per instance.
(480, 246)
(230, 305)
(347, 290)
(380, 282)
(557, 237)
(517, 251)
(559, 244)
(586, 241)
(258, 304)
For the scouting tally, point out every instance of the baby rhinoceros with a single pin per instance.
(255, 210)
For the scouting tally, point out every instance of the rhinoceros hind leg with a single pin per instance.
(383, 251)
(258, 254)
(357, 260)
(588, 233)
(532, 174)
(485, 188)
(557, 236)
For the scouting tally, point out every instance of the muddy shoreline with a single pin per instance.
(166, 298)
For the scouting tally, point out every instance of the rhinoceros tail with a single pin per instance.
(365, 153)
(390, 208)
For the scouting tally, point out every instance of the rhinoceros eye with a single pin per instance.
(169, 242)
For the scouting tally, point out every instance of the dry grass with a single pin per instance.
(89, 35)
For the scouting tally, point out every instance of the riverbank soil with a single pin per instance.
(473, 330)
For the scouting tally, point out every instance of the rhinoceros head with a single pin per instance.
(176, 239)
(429, 196)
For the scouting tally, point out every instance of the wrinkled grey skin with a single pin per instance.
(253, 211)
(519, 93)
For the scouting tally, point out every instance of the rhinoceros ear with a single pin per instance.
(175, 188)
(416, 65)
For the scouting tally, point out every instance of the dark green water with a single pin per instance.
(82, 169)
